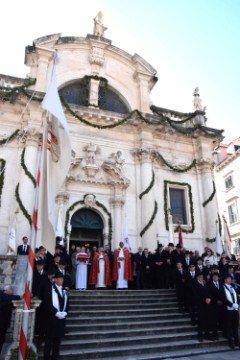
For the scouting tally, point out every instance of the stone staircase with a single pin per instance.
(130, 324)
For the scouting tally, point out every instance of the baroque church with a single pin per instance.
(133, 162)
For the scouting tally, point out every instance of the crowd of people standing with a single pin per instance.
(206, 287)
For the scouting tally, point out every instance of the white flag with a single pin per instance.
(12, 247)
(227, 239)
(219, 246)
(171, 231)
(59, 229)
(56, 159)
(125, 235)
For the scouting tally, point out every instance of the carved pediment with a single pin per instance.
(108, 173)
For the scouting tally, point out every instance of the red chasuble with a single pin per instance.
(128, 275)
(93, 276)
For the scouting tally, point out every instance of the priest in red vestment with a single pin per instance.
(100, 274)
(122, 267)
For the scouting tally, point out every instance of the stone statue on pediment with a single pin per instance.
(197, 101)
(99, 28)
(91, 150)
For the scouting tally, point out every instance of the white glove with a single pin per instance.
(59, 315)
(235, 306)
(64, 314)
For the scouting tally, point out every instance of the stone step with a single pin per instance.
(99, 343)
(108, 293)
(183, 354)
(155, 304)
(132, 351)
(120, 312)
(78, 326)
(129, 317)
(122, 300)
(103, 333)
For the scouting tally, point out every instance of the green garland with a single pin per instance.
(151, 220)
(85, 83)
(132, 115)
(10, 137)
(166, 182)
(99, 205)
(158, 156)
(31, 355)
(149, 186)
(2, 173)
(211, 240)
(211, 196)
(188, 116)
(22, 207)
(220, 225)
(27, 172)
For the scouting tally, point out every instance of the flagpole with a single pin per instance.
(22, 354)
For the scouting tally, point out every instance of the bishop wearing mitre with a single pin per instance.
(100, 274)
(122, 267)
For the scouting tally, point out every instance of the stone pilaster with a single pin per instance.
(117, 204)
(144, 155)
(27, 191)
(17, 321)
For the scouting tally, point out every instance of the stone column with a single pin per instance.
(27, 191)
(62, 200)
(147, 201)
(17, 321)
(211, 209)
(43, 69)
(117, 204)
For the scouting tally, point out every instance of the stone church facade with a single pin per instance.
(131, 161)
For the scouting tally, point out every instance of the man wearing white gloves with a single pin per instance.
(230, 300)
(55, 302)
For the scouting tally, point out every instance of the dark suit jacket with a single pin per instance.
(214, 292)
(20, 250)
(138, 261)
(55, 327)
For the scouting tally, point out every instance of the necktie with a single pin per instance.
(216, 284)
(231, 292)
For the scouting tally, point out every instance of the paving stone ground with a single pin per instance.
(228, 355)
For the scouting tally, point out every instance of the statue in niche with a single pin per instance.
(91, 150)
(119, 161)
(99, 29)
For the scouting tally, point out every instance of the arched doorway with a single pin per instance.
(87, 228)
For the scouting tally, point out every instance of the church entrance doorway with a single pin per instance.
(87, 229)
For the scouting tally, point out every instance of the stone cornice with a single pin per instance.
(227, 161)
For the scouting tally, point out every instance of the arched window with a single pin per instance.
(77, 93)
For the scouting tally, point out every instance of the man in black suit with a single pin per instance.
(203, 302)
(138, 267)
(24, 248)
(159, 260)
(6, 297)
(217, 310)
(55, 303)
(179, 281)
(147, 269)
(188, 260)
(190, 278)
(230, 301)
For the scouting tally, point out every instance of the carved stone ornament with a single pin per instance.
(99, 28)
(62, 198)
(89, 200)
(31, 136)
(114, 165)
(143, 153)
(96, 56)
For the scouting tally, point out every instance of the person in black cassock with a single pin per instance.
(55, 302)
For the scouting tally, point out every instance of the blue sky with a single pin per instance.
(189, 42)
